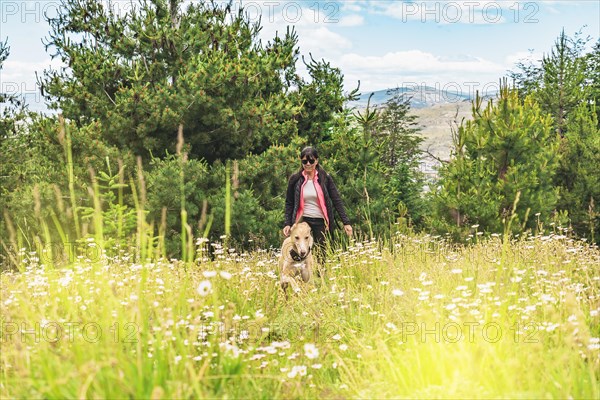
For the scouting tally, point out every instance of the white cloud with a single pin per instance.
(323, 40)
(19, 76)
(314, 32)
(352, 5)
(420, 61)
(351, 20)
(418, 67)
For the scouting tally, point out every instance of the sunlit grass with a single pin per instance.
(414, 317)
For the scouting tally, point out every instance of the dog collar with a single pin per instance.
(296, 257)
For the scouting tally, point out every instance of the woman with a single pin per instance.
(312, 196)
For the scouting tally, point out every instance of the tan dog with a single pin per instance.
(296, 257)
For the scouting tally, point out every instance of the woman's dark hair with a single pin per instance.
(310, 152)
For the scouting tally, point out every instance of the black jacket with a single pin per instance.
(332, 198)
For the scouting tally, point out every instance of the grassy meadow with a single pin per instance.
(414, 316)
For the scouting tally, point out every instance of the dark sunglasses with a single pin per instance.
(309, 161)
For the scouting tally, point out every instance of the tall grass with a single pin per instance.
(416, 317)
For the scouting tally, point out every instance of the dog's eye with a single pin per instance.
(297, 238)
(306, 238)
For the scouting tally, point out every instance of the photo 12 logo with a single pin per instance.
(290, 12)
(54, 331)
(28, 12)
(266, 11)
(472, 12)
(453, 332)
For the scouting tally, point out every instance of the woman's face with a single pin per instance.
(309, 163)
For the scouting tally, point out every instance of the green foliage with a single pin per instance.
(577, 174)
(566, 85)
(119, 220)
(562, 87)
(399, 142)
(322, 98)
(506, 150)
(36, 155)
(143, 73)
(162, 193)
(592, 73)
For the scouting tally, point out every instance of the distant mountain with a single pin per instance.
(420, 97)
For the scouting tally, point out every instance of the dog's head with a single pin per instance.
(301, 238)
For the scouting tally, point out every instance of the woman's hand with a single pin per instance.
(348, 230)
(286, 231)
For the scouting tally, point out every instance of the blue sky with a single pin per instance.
(454, 44)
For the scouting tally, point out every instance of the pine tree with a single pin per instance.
(398, 140)
(507, 150)
(577, 175)
(563, 74)
(143, 73)
(322, 99)
(566, 84)
(592, 61)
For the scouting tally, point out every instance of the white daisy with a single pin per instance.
(204, 288)
(311, 351)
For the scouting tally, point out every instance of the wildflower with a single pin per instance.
(343, 347)
(457, 271)
(225, 275)
(209, 274)
(204, 288)
(336, 336)
(311, 351)
(391, 326)
(297, 370)
(397, 292)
